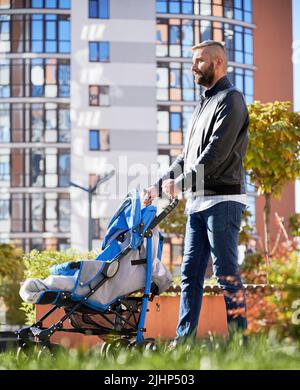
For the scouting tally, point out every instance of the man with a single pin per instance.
(216, 140)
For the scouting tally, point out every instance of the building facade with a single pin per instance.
(120, 97)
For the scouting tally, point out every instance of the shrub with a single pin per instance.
(11, 275)
(272, 306)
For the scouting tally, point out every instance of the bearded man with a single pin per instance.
(210, 171)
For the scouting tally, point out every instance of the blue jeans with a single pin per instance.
(213, 231)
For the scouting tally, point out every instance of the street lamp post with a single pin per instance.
(91, 190)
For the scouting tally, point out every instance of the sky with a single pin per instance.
(296, 42)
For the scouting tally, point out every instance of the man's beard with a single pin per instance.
(206, 78)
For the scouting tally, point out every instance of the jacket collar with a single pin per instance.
(221, 84)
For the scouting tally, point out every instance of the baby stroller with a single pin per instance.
(99, 301)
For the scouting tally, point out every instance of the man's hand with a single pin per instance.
(150, 194)
(170, 189)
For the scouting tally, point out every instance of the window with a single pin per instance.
(4, 209)
(50, 212)
(175, 82)
(61, 4)
(4, 79)
(99, 9)
(172, 122)
(4, 33)
(99, 227)
(50, 167)
(94, 140)
(98, 95)
(37, 33)
(4, 123)
(50, 33)
(17, 213)
(99, 51)
(4, 169)
(99, 140)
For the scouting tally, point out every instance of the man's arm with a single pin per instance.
(230, 117)
(174, 171)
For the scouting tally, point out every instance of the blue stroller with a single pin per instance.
(122, 318)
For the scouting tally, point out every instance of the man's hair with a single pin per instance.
(215, 44)
(209, 43)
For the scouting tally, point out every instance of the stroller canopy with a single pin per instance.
(130, 217)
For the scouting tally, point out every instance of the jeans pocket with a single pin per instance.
(218, 219)
(236, 212)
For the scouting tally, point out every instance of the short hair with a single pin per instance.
(209, 43)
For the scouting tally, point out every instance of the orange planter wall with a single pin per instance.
(159, 324)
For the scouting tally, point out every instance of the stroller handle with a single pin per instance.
(166, 211)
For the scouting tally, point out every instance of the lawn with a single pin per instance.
(261, 352)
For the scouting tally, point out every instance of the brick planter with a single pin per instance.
(161, 320)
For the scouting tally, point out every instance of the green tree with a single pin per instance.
(273, 153)
(11, 275)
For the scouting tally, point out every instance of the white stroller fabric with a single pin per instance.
(128, 279)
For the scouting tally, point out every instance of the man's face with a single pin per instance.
(203, 67)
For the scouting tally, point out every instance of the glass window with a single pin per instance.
(205, 7)
(17, 213)
(37, 168)
(174, 6)
(175, 121)
(161, 38)
(4, 79)
(37, 3)
(161, 6)
(4, 209)
(99, 9)
(187, 6)
(64, 124)
(4, 169)
(238, 12)
(99, 95)
(228, 9)
(37, 122)
(50, 36)
(99, 51)
(65, 4)
(50, 33)
(94, 140)
(64, 36)
(4, 4)
(162, 83)
(50, 3)
(4, 123)
(37, 212)
(4, 33)
(187, 38)
(64, 168)
(37, 33)
(99, 140)
(64, 210)
(51, 212)
(64, 79)
(206, 31)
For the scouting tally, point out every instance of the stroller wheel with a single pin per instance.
(22, 352)
(113, 349)
(150, 346)
(44, 352)
(103, 348)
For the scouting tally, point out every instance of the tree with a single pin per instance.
(11, 275)
(273, 153)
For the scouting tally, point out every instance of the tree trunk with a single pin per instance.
(267, 210)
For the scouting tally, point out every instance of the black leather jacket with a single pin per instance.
(216, 144)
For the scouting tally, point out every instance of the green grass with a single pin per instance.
(261, 352)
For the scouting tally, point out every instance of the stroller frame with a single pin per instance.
(135, 307)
